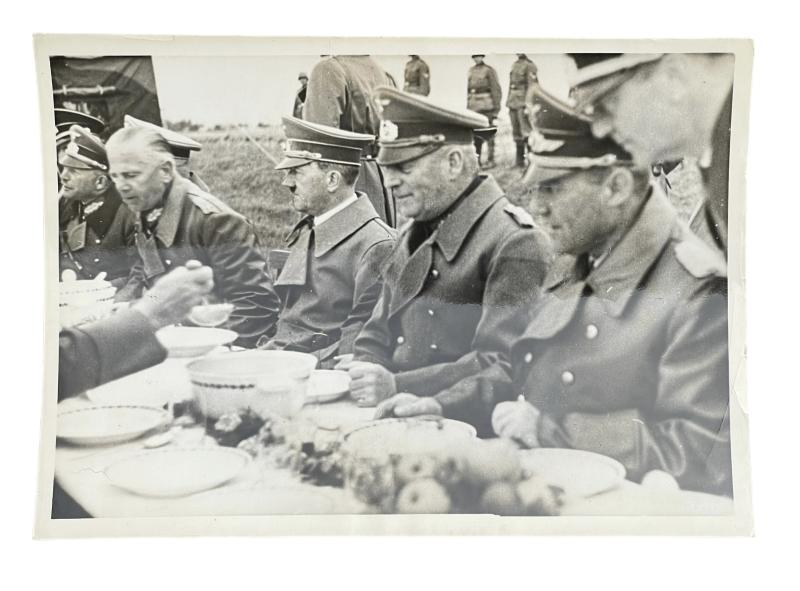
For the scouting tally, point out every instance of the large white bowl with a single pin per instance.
(193, 341)
(84, 301)
(385, 437)
(255, 380)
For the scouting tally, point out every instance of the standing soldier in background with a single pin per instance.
(339, 95)
(417, 77)
(523, 76)
(300, 96)
(180, 146)
(484, 96)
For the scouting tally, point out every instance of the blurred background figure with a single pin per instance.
(523, 75)
(484, 96)
(180, 146)
(96, 232)
(417, 76)
(300, 95)
(339, 95)
(664, 107)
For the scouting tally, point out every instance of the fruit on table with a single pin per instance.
(538, 497)
(491, 461)
(425, 495)
(501, 498)
(414, 467)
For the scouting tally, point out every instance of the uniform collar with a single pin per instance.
(458, 223)
(321, 219)
(616, 279)
(343, 223)
(100, 219)
(170, 218)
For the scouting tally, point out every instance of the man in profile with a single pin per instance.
(330, 281)
(458, 287)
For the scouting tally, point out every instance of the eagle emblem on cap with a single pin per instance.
(388, 131)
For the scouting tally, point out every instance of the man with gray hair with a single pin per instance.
(459, 284)
(177, 222)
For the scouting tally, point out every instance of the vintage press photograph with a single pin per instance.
(490, 278)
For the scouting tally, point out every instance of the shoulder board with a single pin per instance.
(205, 202)
(519, 215)
(697, 257)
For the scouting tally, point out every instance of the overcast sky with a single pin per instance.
(230, 90)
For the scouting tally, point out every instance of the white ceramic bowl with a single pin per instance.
(257, 380)
(84, 301)
(193, 341)
(385, 437)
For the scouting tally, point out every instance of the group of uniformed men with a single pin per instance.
(603, 328)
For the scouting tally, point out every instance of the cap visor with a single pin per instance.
(289, 162)
(538, 175)
(69, 161)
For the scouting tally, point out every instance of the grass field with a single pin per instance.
(238, 172)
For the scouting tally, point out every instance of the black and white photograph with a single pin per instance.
(306, 285)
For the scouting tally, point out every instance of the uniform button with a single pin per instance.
(568, 377)
(434, 273)
(97, 241)
(528, 357)
(96, 260)
(430, 312)
(434, 347)
(169, 262)
(401, 340)
(591, 331)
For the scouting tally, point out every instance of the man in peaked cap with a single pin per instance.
(664, 107)
(175, 221)
(66, 118)
(465, 271)
(338, 95)
(330, 282)
(96, 232)
(180, 146)
(626, 353)
(484, 96)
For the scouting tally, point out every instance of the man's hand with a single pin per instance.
(408, 405)
(369, 382)
(171, 299)
(517, 421)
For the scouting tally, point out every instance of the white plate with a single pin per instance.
(178, 471)
(193, 341)
(103, 425)
(326, 385)
(579, 473)
(400, 436)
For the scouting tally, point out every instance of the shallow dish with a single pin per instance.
(579, 473)
(178, 471)
(193, 341)
(401, 436)
(327, 385)
(104, 425)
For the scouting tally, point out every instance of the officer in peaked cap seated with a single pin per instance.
(664, 107)
(96, 232)
(626, 351)
(459, 283)
(66, 118)
(180, 146)
(330, 282)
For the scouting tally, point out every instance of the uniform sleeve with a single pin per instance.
(424, 79)
(99, 352)
(367, 291)
(373, 343)
(326, 95)
(241, 276)
(497, 91)
(687, 434)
